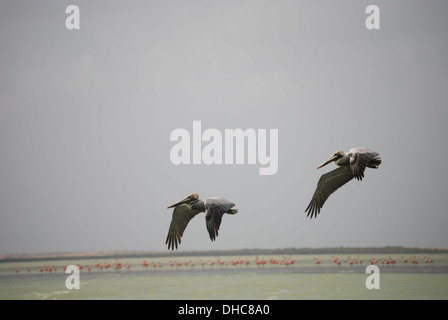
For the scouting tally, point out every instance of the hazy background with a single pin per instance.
(86, 116)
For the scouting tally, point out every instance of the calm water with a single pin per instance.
(304, 279)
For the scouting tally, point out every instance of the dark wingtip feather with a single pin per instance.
(313, 210)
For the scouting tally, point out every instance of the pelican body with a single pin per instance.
(351, 165)
(188, 208)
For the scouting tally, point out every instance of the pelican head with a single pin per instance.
(335, 157)
(191, 198)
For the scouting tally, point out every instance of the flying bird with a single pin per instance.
(188, 208)
(351, 165)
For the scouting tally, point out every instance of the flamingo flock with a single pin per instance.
(259, 262)
(382, 261)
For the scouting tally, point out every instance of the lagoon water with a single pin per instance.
(304, 279)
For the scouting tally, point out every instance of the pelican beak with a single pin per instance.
(186, 200)
(332, 158)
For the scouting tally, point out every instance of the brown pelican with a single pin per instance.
(351, 165)
(189, 207)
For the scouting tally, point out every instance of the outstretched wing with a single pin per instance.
(359, 159)
(214, 210)
(181, 217)
(328, 183)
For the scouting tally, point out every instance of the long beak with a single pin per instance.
(332, 158)
(186, 200)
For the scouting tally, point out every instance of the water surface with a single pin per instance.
(228, 278)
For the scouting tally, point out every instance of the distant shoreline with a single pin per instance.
(13, 257)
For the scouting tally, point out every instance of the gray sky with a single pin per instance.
(86, 117)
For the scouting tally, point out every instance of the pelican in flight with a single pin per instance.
(188, 208)
(351, 165)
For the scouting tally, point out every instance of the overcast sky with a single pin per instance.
(86, 117)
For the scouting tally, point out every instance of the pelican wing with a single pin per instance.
(181, 217)
(328, 183)
(214, 210)
(359, 159)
